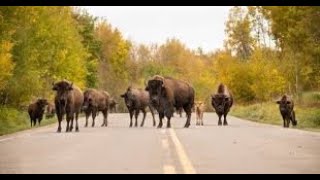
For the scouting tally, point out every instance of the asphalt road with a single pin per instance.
(241, 147)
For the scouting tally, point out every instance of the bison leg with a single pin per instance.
(94, 114)
(60, 116)
(105, 117)
(136, 117)
(161, 116)
(131, 115)
(168, 122)
(152, 113)
(76, 119)
(219, 122)
(69, 118)
(188, 111)
(71, 122)
(201, 119)
(293, 119)
(88, 113)
(225, 123)
(39, 120)
(144, 117)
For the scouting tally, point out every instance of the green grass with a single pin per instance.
(12, 120)
(308, 117)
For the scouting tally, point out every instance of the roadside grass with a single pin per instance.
(12, 120)
(308, 117)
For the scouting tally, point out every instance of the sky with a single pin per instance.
(194, 26)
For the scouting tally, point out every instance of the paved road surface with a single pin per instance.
(241, 147)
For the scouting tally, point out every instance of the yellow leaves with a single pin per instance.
(6, 64)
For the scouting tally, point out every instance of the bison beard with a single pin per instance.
(167, 93)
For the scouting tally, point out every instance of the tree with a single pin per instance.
(238, 29)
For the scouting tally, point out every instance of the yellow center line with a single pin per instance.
(184, 160)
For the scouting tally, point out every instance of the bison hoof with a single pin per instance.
(102, 125)
(225, 124)
(141, 125)
(219, 124)
(59, 131)
(77, 129)
(186, 126)
(159, 126)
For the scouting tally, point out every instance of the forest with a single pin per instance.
(268, 52)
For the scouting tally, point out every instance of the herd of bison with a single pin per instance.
(162, 95)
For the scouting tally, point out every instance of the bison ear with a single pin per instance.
(278, 102)
(162, 84)
(227, 98)
(147, 88)
(288, 102)
(54, 86)
(70, 86)
(122, 95)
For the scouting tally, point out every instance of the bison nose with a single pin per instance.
(154, 101)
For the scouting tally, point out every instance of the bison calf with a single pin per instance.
(286, 106)
(222, 102)
(50, 110)
(36, 111)
(113, 105)
(137, 100)
(199, 108)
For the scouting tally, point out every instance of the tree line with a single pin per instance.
(268, 51)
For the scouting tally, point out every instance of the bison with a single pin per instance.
(50, 110)
(167, 93)
(95, 101)
(36, 111)
(286, 106)
(199, 108)
(222, 102)
(68, 101)
(113, 105)
(137, 100)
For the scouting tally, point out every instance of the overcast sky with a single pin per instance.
(195, 26)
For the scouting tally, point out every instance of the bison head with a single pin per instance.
(63, 89)
(285, 105)
(218, 101)
(129, 98)
(155, 87)
(41, 103)
(87, 100)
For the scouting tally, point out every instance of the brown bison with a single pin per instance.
(199, 108)
(222, 102)
(167, 93)
(68, 101)
(286, 106)
(50, 110)
(113, 105)
(95, 101)
(137, 100)
(36, 111)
